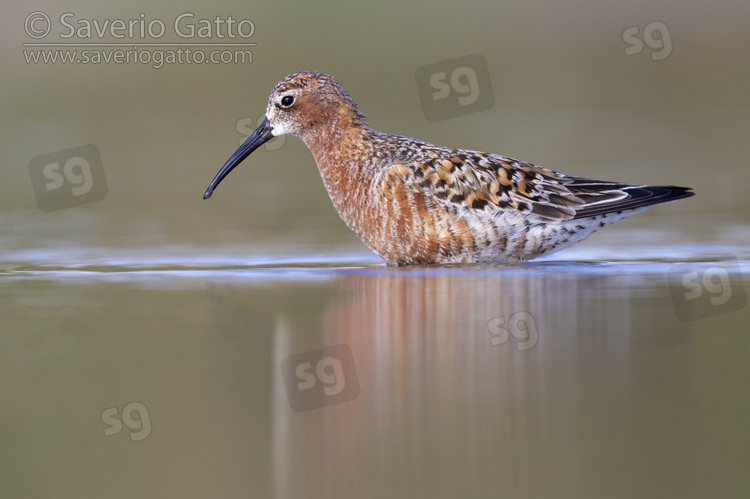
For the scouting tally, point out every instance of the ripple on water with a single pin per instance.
(174, 265)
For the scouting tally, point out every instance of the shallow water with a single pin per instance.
(213, 372)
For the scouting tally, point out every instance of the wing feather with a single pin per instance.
(480, 183)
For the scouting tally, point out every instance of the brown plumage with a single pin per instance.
(413, 202)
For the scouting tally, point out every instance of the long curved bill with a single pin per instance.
(260, 136)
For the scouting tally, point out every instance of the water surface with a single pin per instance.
(155, 372)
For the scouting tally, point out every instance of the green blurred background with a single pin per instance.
(567, 97)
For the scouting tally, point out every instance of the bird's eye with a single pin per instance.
(287, 101)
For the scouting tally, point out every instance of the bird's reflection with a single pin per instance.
(451, 366)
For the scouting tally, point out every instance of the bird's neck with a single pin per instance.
(342, 153)
(340, 147)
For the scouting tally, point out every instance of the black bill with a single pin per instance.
(260, 136)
